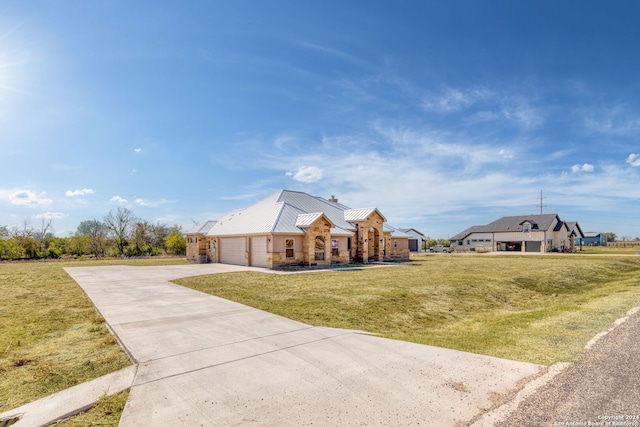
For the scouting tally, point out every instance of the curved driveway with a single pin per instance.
(206, 361)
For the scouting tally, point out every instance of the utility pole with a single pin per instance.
(541, 199)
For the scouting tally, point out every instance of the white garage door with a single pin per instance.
(259, 251)
(232, 250)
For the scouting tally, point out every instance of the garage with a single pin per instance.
(258, 251)
(530, 246)
(232, 250)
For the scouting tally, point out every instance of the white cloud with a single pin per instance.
(51, 215)
(634, 160)
(150, 203)
(137, 150)
(82, 192)
(582, 168)
(307, 174)
(28, 198)
(118, 199)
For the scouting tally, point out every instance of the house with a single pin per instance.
(593, 239)
(295, 228)
(526, 233)
(416, 239)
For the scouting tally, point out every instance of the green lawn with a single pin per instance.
(609, 250)
(540, 309)
(51, 336)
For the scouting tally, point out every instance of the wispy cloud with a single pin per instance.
(452, 99)
(51, 215)
(83, 192)
(483, 104)
(616, 120)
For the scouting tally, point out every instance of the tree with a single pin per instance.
(119, 224)
(176, 243)
(43, 233)
(142, 238)
(611, 237)
(96, 233)
(24, 240)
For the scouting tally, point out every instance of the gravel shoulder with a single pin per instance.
(603, 389)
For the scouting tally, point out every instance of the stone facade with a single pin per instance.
(396, 248)
(369, 239)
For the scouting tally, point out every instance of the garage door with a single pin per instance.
(258, 251)
(532, 246)
(232, 250)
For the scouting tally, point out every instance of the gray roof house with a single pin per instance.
(524, 233)
(295, 228)
(593, 238)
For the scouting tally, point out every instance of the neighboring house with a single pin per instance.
(294, 228)
(416, 239)
(593, 239)
(526, 233)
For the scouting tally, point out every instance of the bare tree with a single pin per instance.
(119, 224)
(41, 234)
(96, 232)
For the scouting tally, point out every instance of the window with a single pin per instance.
(526, 228)
(319, 248)
(289, 249)
(335, 248)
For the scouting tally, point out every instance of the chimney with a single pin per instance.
(333, 199)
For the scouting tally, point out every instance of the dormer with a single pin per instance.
(528, 226)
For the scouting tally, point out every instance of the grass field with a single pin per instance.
(610, 250)
(540, 309)
(51, 337)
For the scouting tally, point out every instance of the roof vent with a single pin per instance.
(333, 199)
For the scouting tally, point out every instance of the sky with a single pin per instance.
(442, 114)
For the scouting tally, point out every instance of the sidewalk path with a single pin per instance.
(206, 361)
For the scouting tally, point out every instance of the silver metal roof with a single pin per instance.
(354, 215)
(287, 212)
(201, 228)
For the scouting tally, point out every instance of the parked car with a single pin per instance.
(440, 248)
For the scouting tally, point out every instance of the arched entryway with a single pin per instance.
(373, 240)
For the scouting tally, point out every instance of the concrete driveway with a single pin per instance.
(206, 361)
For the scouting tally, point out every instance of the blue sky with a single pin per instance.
(443, 114)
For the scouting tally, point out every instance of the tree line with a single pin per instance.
(119, 233)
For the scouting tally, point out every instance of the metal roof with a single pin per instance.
(395, 232)
(306, 220)
(355, 215)
(287, 212)
(201, 228)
